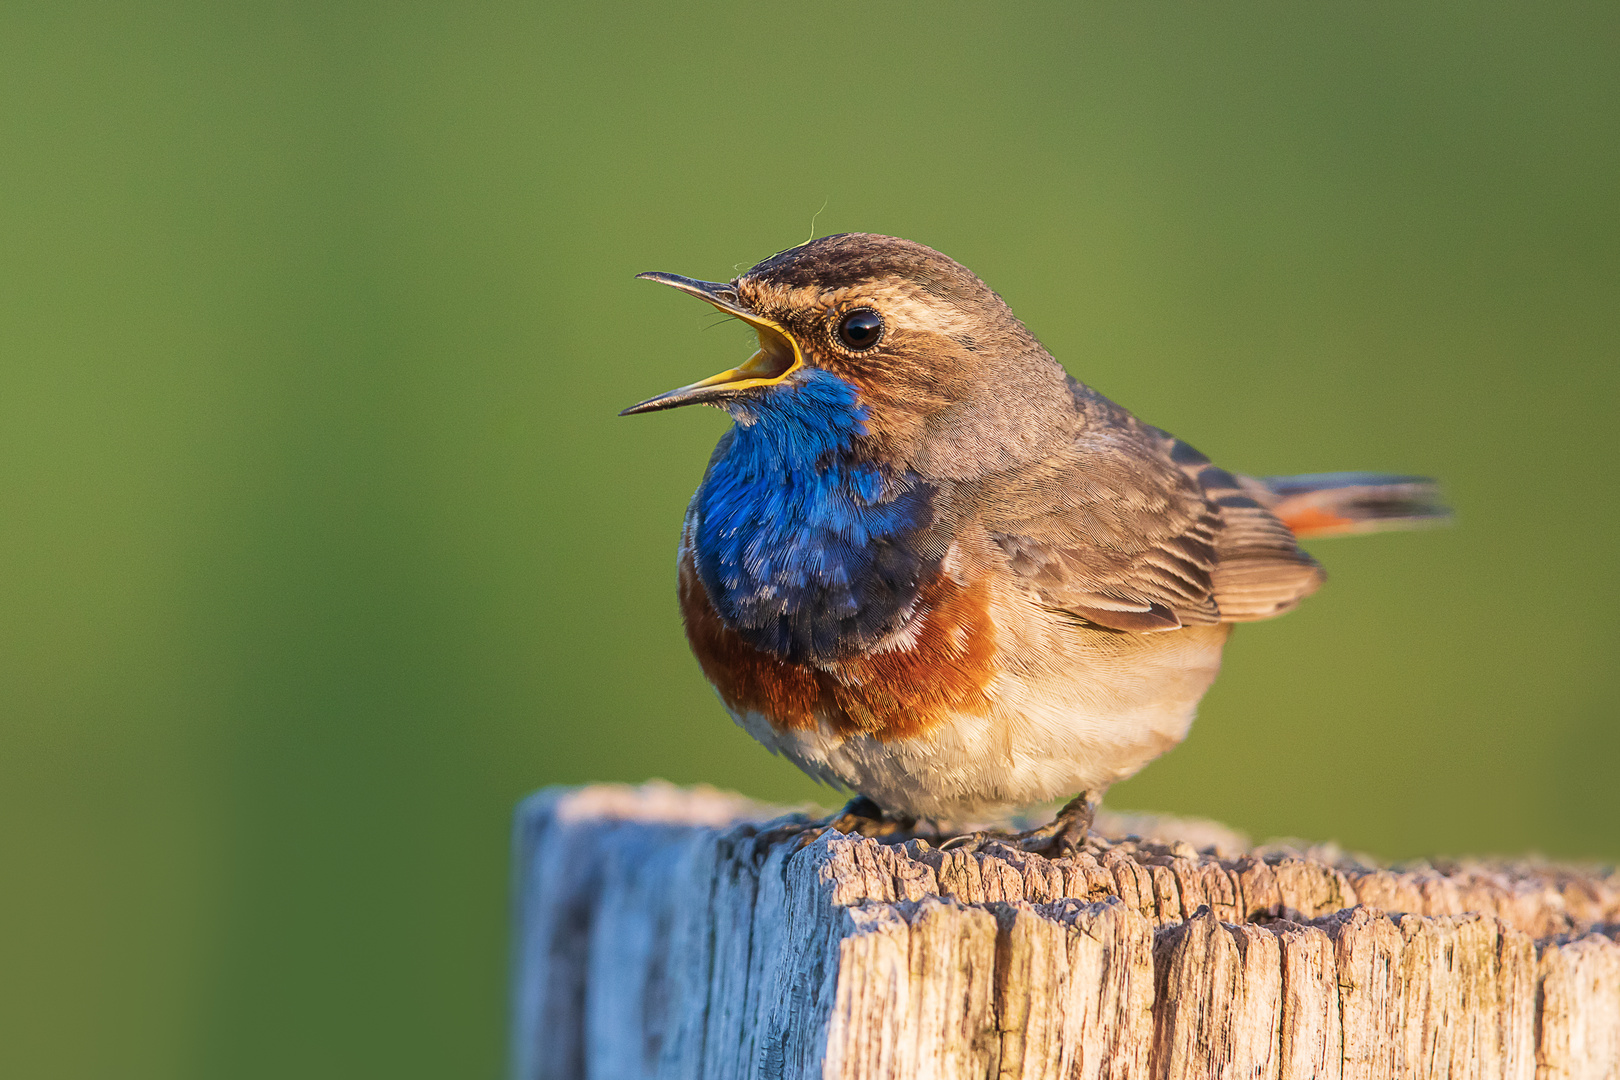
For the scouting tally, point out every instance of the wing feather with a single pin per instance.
(1134, 530)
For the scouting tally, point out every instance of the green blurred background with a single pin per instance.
(321, 543)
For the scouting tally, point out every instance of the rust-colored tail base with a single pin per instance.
(1333, 504)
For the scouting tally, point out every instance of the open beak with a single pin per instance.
(777, 358)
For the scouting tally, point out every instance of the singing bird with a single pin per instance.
(931, 568)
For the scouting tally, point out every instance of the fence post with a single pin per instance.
(664, 932)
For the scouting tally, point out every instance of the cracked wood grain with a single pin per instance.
(671, 933)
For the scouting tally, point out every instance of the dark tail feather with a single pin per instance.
(1333, 504)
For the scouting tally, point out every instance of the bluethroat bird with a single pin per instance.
(931, 568)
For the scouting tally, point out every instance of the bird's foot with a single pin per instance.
(864, 817)
(1063, 835)
(973, 842)
(860, 816)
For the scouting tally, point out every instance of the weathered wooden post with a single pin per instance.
(666, 933)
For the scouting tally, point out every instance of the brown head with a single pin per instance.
(948, 376)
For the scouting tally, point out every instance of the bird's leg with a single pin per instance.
(864, 817)
(1062, 836)
(860, 816)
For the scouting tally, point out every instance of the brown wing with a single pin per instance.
(1135, 530)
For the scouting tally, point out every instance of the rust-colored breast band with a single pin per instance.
(944, 671)
(747, 679)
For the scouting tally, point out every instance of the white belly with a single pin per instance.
(1084, 719)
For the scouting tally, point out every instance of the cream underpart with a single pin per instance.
(1070, 711)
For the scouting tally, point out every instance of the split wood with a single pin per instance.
(663, 932)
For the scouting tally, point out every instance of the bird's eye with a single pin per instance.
(860, 329)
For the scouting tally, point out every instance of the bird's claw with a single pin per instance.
(1063, 836)
(864, 817)
(860, 816)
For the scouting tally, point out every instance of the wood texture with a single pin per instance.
(671, 933)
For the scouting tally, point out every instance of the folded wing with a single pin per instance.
(1134, 530)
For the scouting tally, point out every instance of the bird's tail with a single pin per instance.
(1333, 504)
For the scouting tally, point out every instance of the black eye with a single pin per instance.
(860, 329)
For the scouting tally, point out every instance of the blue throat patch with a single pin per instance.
(806, 549)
